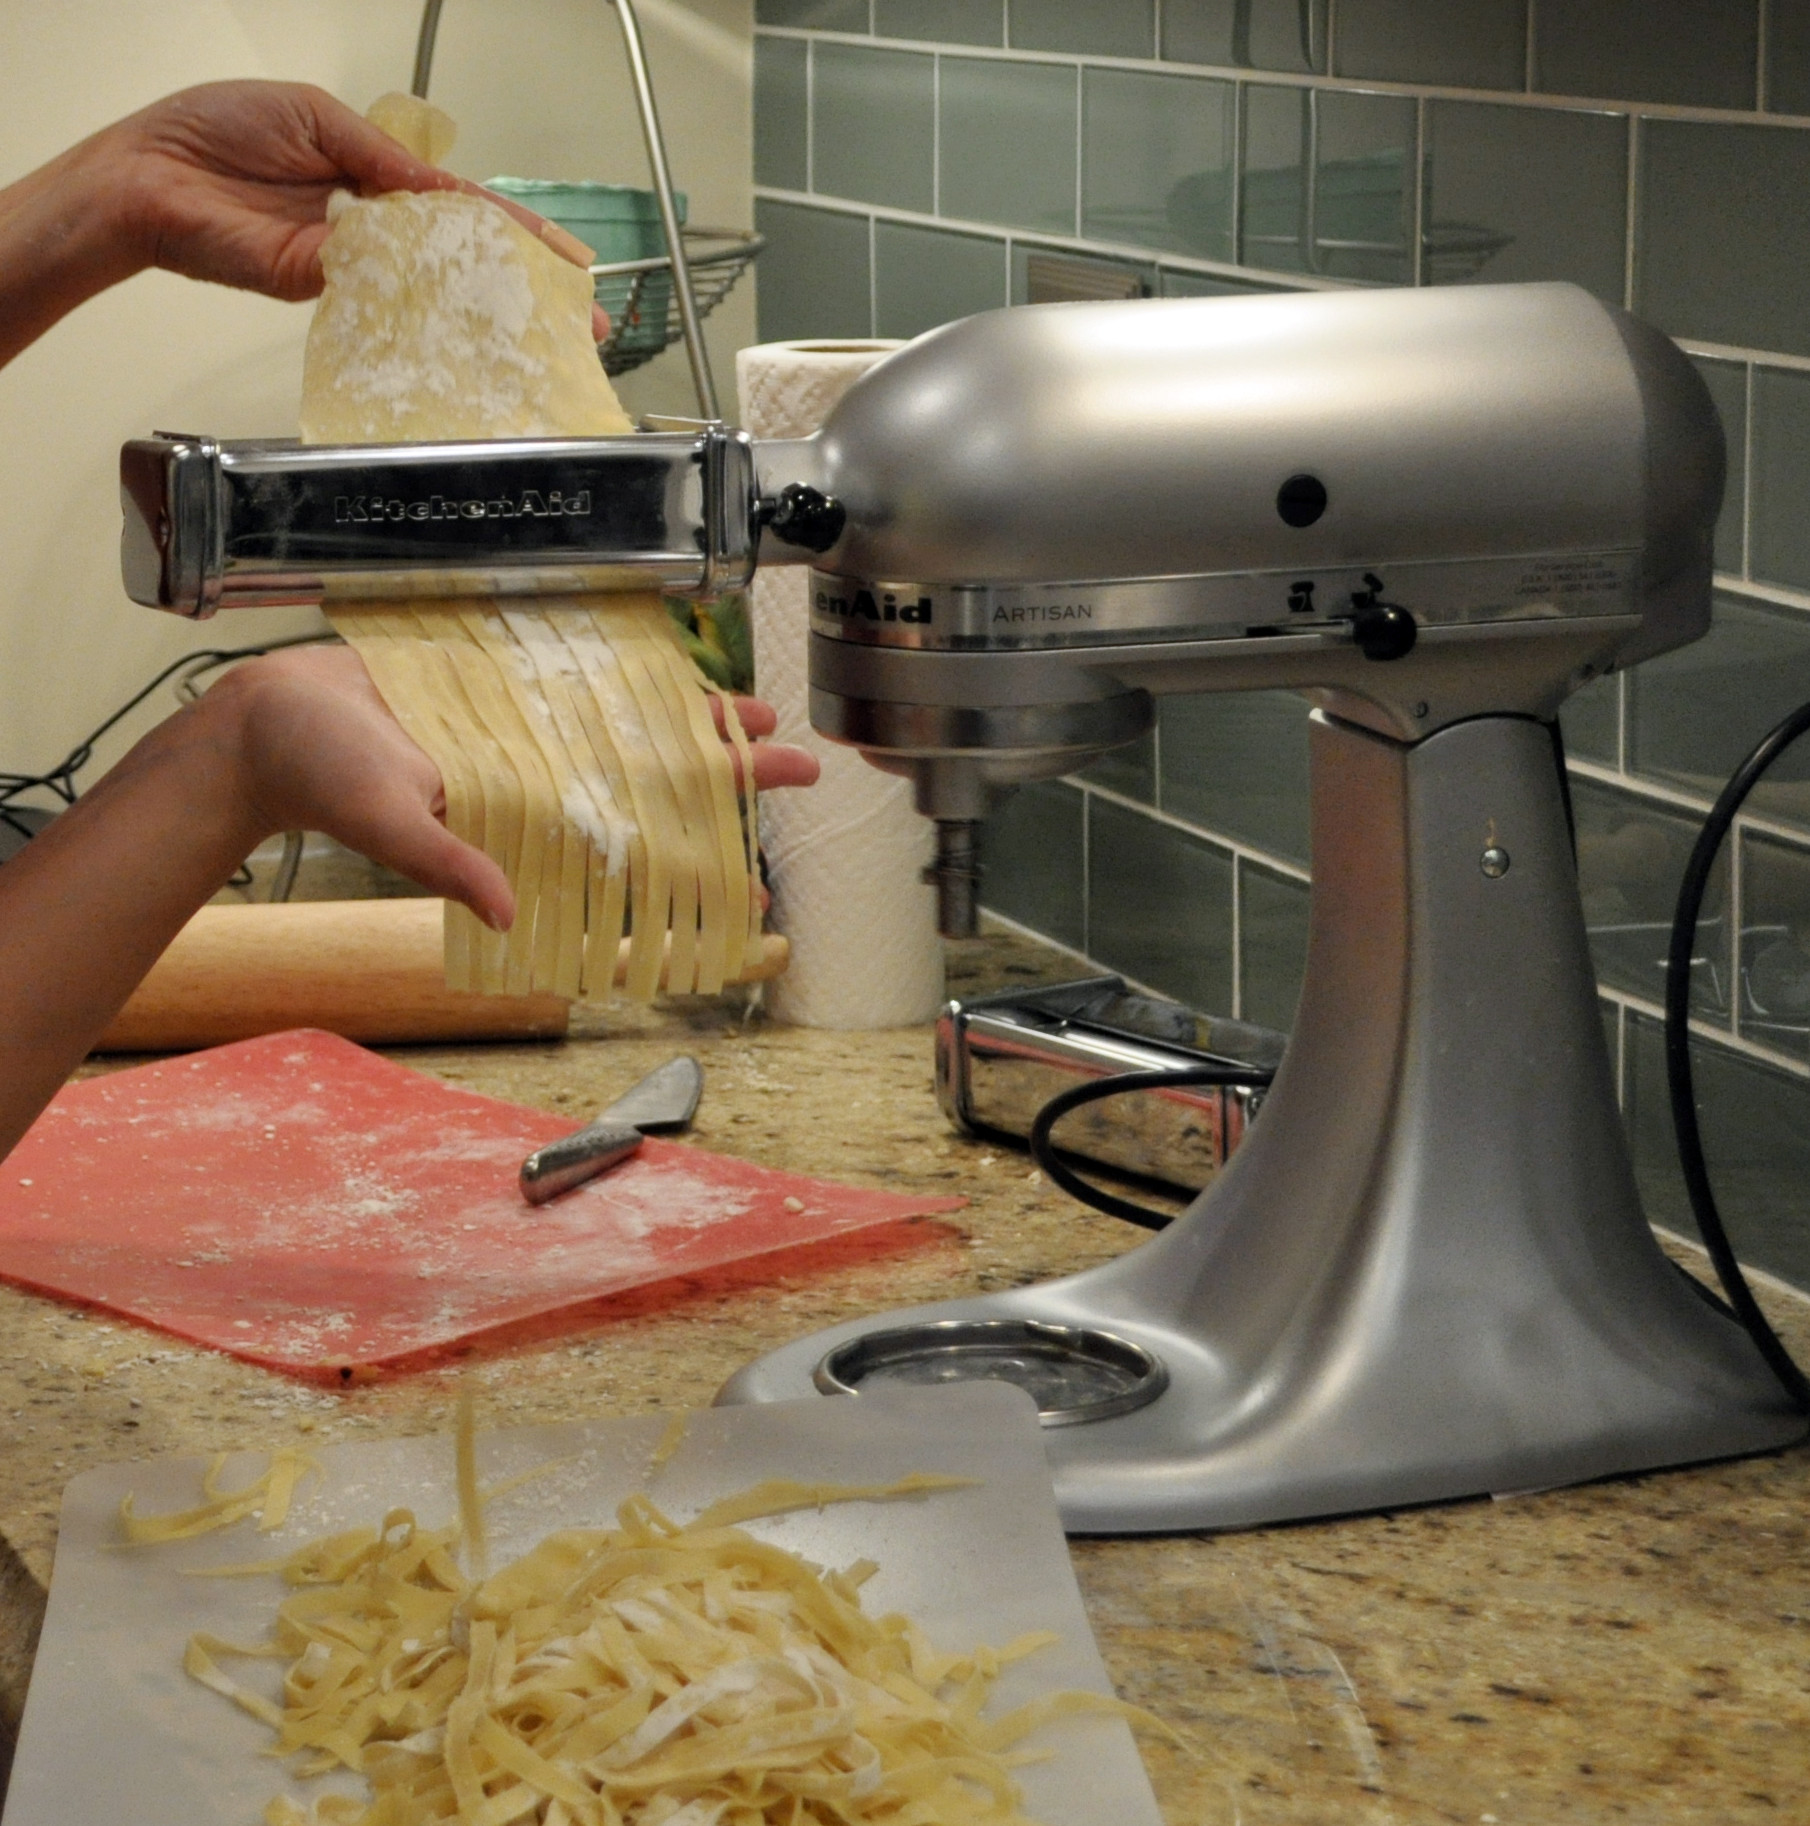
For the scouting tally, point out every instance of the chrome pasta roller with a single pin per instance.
(1426, 1273)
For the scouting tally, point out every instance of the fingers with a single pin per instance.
(757, 718)
(426, 851)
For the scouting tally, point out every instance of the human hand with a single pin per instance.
(315, 748)
(229, 182)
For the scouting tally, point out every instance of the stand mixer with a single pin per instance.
(1426, 1273)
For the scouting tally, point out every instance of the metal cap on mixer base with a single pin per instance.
(1073, 1373)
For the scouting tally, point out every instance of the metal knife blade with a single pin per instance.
(662, 1102)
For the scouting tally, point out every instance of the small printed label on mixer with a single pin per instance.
(530, 504)
(1573, 576)
(1016, 612)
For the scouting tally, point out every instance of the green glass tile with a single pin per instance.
(1130, 770)
(1630, 859)
(812, 278)
(1159, 906)
(1358, 221)
(1591, 721)
(1276, 157)
(1526, 193)
(1694, 714)
(1156, 166)
(1781, 476)
(1249, 34)
(820, 15)
(1107, 28)
(926, 276)
(873, 125)
(1755, 1124)
(1718, 256)
(1008, 143)
(782, 119)
(1172, 284)
(1022, 252)
(1033, 865)
(1788, 57)
(1460, 44)
(942, 21)
(1272, 945)
(1727, 383)
(1236, 762)
(1363, 187)
(1775, 944)
(1701, 52)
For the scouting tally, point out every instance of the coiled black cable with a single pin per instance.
(1679, 1081)
(1043, 1148)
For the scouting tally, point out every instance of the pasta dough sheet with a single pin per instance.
(577, 740)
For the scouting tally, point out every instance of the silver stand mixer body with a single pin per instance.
(1426, 1273)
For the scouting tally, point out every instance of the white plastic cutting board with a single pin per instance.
(114, 1730)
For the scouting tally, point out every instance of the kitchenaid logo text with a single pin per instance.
(864, 606)
(531, 504)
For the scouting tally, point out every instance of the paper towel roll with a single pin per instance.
(843, 858)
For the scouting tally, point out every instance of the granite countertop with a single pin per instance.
(1637, 1650)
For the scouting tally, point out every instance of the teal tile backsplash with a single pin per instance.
(1461, 44)
(948, 21)
(914, 156)
(1247, 34)
(873, 125)
(925, 276)
(1156, 154)
(1515, 194)
(1009, 144)
(1104, 28)
(1700, 52)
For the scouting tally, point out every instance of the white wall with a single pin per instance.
(539, 89)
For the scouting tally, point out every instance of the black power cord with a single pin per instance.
(60, 780)
(1678, 1052)
(1043, 1149)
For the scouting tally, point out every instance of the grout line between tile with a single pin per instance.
(1529, 40)
(1080, 147)
(1108, 250)
(1631, 1003)
(1728, 351)
(1747, 474)
(810, 120)
(1087, 872)
(1422, 177)
(1630, 252)
(1237, 1009)
(1762, 58)
(1365, 85)
(1235, 227)
(936, 135)
(1736, 850)
(1775, 595)
(873, 279)
(1332, 35)
(1233, 846)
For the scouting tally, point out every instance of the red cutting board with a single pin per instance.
(304, 1204)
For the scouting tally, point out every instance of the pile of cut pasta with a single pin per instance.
(578, 742)
(651, 1674)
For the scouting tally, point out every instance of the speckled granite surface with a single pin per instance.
(1637, 1651)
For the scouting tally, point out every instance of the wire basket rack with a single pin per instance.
(644, 310)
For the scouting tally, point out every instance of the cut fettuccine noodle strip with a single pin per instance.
(652, 1674)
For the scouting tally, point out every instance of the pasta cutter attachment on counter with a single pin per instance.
(663, 1103)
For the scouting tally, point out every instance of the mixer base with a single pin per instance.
(1426, 1273)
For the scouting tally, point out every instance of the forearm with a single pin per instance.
(60, 243)
(87, 906)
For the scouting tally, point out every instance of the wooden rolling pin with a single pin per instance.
(367, 969)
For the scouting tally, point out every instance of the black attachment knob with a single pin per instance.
(805, 516)
(1382, 630)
